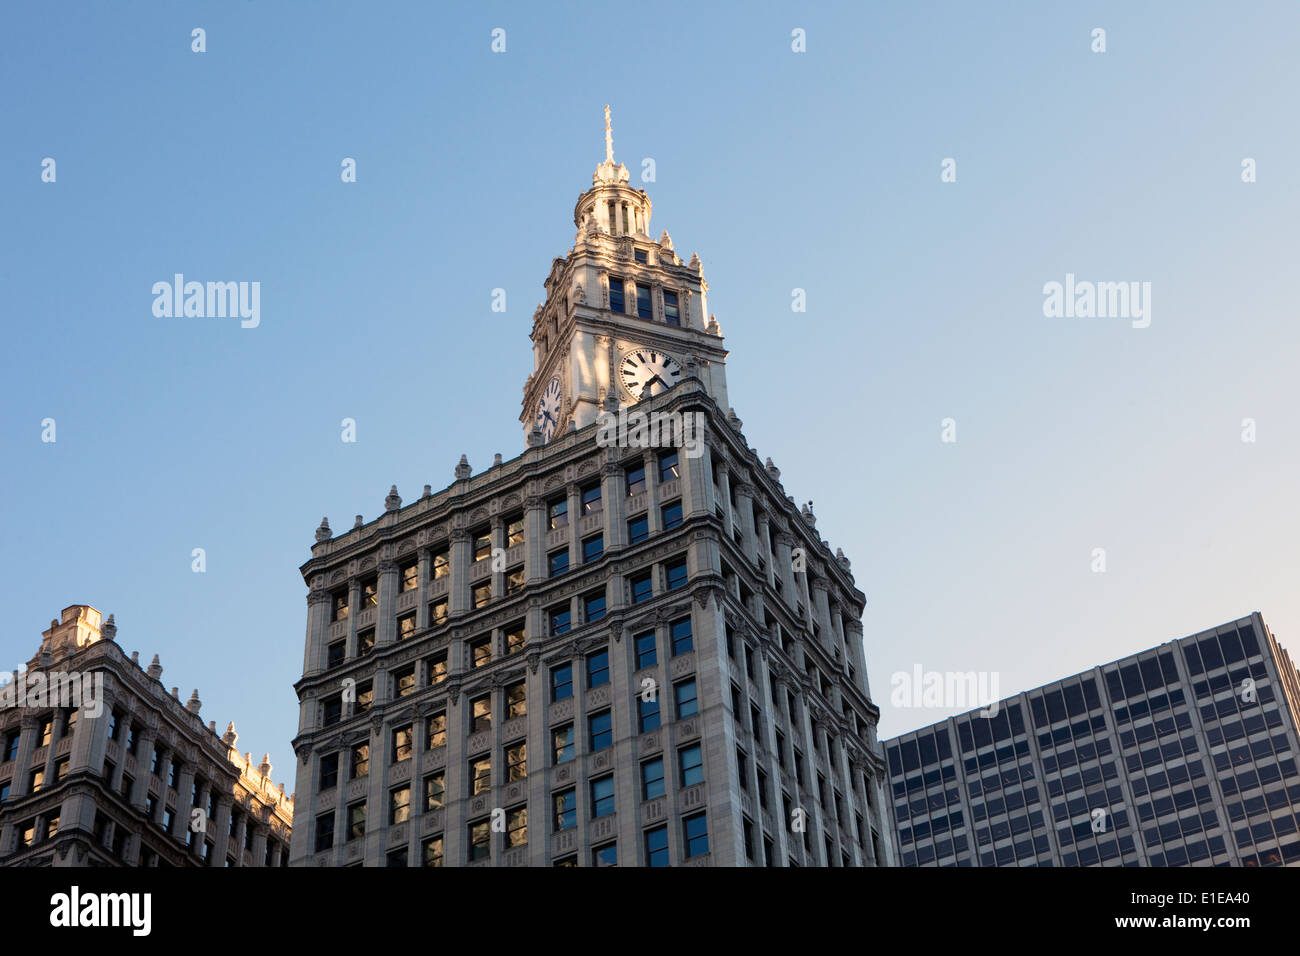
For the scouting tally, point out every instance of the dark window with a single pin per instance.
(636, 480)
(560, 620)
(561, 682)
(559, 561)
(325, 831)
(643, 309)
(593, 548)
(648, 713)
(616, 303)
(676, 573)
(566, 810)
(594, 607)
(563, 740)
(602, 797)
(652, 779)
(645, 650)
(696, 832)
(597, 669)
(687, 705)
(671, 315)
(668, 467)
(681, 636)
(642, 587)
(656, 846)
(329, 771)
(638, 529)
(672, 515)
(601, 731)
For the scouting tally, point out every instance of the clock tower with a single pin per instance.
(624, 318)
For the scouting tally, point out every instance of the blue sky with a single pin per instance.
(818, 170)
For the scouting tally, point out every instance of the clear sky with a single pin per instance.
(817, 170)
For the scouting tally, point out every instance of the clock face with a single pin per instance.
(646, 373)
(548, 409)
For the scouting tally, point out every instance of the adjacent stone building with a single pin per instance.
(628, 649)
(101, 766)
(1182, 755)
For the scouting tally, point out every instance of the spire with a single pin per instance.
(609, 138)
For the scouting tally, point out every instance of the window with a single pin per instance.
(365, 641)
(648, 713)
(435, 790)
(482, 544)
(652, 779)
(656, 846)
(480, 840)
(515, 531)
(369, 592)
(437, 730)
(480, 774)
(671, 314)
(481, 652)
(593, 548)
(517, 826)
(671, 515)
(602, 797)
(645, 650)
(515, 580)
(433, 851)
(566, 810)
(643, 310)
(438, 613)
(481, 709)
(340, 609)
(333, 710)
(365, 696)
(597, 669)
(668, 467)
(515, 638)
(337, 653)
(360, 762)
(325, 831)
(563, 740)
(616, 303)
(593, 606)
(440, 566)
(560, 622)
(174, 773)
(516, 700)
(404, 681)
(636, 480)
(691, 763)
(482, 595)
(559, 514)
(642, 587)
(12, 738)
(46, 734)
(696, 832)
(517, 761)
(409, 575)
(684, 693)
(639, 256)
(329, 771)
(402, 743)
(680, 632)
(591, 500)
(638, 529)
(558, 561)
(405, 626)
(605, 855)
(600, 731)
(156, 760)
(676, 573)
(399, 805)
(437, 669)
(395, 857)
(561, 682)
(356, 820)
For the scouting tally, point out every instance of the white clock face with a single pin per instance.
(646, 373)
(548, 409)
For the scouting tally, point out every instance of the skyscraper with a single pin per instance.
(625, 646)
(1184, 754)
(101, 766)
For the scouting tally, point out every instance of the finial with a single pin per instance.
(323, 533)
(155, 669)
(230, 735)
(193, 704)
(609, 138)
(358, 523)
(265, 765)
(393, 501)
(463, 469)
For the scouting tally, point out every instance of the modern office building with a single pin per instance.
(615, 648)
(1181, 755)
(101, 766)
